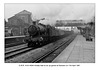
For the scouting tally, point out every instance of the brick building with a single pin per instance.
(25, 16)
(19, 22)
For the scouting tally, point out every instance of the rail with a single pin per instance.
(10, 37)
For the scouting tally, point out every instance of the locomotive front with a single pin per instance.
(33, 30)
(37, 30)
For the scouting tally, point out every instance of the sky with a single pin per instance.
(53, 12)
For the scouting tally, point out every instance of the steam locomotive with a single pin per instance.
(40, 33)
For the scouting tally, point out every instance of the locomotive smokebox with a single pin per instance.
(36, 30)
(32, 30)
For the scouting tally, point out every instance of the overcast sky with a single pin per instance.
(53, 12)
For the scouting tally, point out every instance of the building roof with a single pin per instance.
(24, 12)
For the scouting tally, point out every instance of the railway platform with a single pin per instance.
(78, 51)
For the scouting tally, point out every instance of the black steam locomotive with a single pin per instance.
(40, 33)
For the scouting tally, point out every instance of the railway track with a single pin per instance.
(43, 57)
(14, 48)
(19, 50)
(13, 44)
(10, 54)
